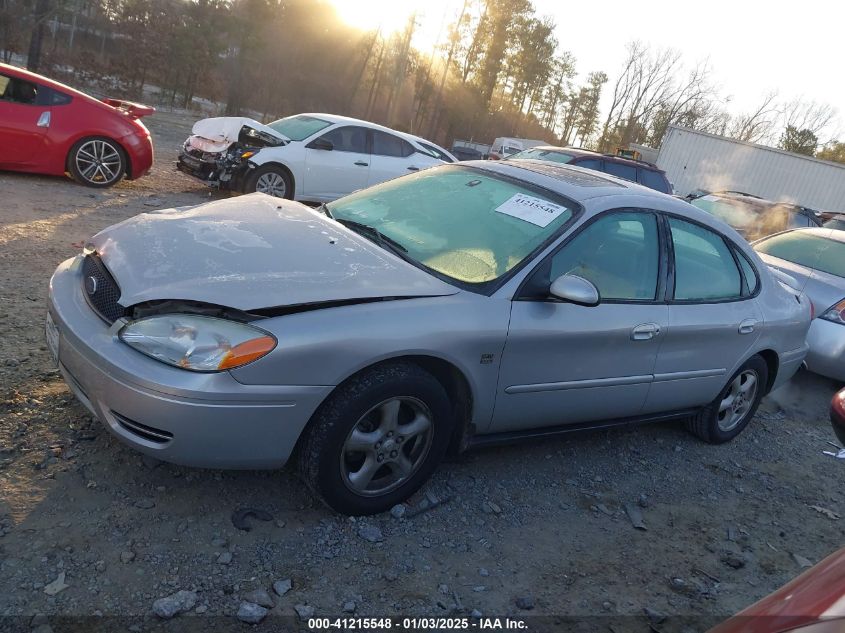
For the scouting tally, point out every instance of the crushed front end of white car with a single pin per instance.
(218, 149)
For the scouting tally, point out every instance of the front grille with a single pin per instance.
(149, 433)
(100, 289)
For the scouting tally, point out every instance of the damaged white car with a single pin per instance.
(307, 157)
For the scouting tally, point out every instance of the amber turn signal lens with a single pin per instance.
(247, 352)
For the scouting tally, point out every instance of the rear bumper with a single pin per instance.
(827, 349)
(141, 154)
(205, 420)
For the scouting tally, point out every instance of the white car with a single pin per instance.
(307, 157)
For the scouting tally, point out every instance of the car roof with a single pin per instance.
(571, 181)
(337, 118)
(580, 151)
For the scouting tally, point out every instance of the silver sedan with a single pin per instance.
(816, 259)
(462, 305)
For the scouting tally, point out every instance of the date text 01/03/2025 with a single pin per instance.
(416, 624)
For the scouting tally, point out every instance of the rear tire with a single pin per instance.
(732, 410)
(376, 439)
(270, 179)
(97, 161)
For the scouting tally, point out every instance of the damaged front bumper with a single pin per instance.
(224, 170)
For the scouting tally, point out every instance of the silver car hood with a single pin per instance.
(253, 252)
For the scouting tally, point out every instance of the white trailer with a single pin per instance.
(696, 160)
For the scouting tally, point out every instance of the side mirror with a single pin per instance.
(574, 289)
(321, 143)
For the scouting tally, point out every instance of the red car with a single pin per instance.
(812, 603)
(49, 128)
(837, 415)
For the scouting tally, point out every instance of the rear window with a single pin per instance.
(806, 249)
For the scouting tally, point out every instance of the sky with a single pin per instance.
(753, 46)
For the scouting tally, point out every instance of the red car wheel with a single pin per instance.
(97, 162)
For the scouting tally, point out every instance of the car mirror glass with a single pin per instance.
(575, 289)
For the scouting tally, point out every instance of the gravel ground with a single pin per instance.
(90, 528)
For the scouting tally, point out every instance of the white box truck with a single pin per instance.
(696, 160)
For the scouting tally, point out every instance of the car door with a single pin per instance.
(392, 157)
(336, 163)
(714, 319)
(23, 122)
(564, 363)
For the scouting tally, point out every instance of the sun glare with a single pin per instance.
(391, 16)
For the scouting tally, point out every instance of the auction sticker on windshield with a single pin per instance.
(534, 210)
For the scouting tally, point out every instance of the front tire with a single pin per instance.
(272, 180)
(732, 410)
(376, 439)
(96, 162)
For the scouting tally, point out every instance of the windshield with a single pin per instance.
(461, 222)
(299, 127)
(807, 249)
(549, 155)
(738, 215)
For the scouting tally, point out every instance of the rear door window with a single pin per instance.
(705, 269)
(589, 163)
(385, 144)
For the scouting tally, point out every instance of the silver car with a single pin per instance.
(816, 259)
(465, 304)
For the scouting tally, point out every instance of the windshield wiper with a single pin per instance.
(370, 231)
(323, 208)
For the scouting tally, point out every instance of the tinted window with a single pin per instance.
(618, 253)
(653, 180)
(739, 215)
(705, 270)
(588, 163)
(18, 90)
(348, 139)
(59, 98)
(385, 144)
(798, 221)
(465, 223)
(299, 127)
(628, 172)
(807, 249)
(835, 223)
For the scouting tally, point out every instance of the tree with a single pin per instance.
(798, 141)
(757, 125)
(834, 151)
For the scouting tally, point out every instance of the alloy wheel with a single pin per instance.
(98, 162)
(272, 184)
(386, 446)
(738, 400)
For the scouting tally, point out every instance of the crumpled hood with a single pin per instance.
(253, 252)
(216, 134)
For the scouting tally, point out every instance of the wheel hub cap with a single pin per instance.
(738, 400)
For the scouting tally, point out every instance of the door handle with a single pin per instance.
(747, 326)
(413, 168)
(361, 163)
(44, 119)
(645, 331)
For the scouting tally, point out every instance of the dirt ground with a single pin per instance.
(531, 530)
